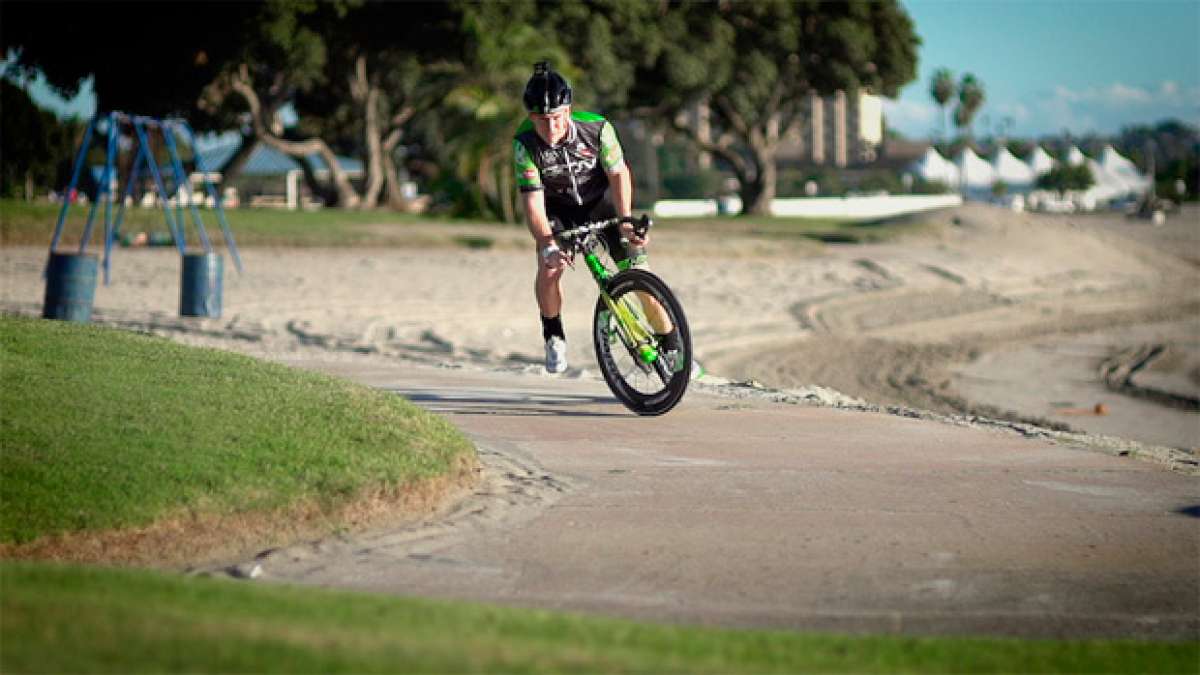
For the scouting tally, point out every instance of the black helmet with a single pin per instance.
(546, 91)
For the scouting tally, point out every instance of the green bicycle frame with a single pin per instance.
(627, 323)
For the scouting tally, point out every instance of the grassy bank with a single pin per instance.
(32, 224)
(62, 619)
(105, 430)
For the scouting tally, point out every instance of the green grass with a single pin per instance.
(32, 224)
(105, 429)
(28, 224)
(71, 619)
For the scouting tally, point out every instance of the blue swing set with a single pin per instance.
(71, 277)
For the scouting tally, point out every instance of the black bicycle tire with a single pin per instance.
(643, 404)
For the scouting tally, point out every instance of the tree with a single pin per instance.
(134, 51)
(1065, 177)
(970, 100)
(357, 75)
(484, 107)
(349, 69)
(34, 145)
(942, 89)
(286, 57)
(755, 64)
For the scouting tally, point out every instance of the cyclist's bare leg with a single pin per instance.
(547, 288)
(655, 313)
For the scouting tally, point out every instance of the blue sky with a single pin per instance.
(1048, 65)
(1082, 65)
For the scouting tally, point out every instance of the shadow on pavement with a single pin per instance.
(1192, 511)
(477, 403)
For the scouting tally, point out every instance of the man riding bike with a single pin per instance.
(571, 170)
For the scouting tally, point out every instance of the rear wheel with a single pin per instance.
(647, 377)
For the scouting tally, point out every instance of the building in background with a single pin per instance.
(840, 130)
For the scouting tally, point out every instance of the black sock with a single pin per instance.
(552, 327)
(671, 340)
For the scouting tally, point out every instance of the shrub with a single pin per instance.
(1062, 178)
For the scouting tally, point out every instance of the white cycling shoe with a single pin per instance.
(556, 355)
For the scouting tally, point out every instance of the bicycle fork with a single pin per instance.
(629, 328)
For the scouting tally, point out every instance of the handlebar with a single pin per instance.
(640, 226)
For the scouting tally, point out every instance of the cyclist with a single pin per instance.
(570, 169)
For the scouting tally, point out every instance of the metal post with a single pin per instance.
(178, 236)
(182, 181)
(129, 185)
(212, 190)
(62, 213)
(104, 191)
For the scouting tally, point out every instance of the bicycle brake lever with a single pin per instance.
(642, 227)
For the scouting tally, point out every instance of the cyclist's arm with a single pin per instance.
(529, 181)
(619, 181)
(613, 159)
(622, 190)
(535, 217)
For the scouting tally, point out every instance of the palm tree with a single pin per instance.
(485, 105)
(970, 100)
(942, 89)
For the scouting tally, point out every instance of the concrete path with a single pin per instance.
(748, 513)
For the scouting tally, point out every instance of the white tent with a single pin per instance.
(1014, 172)
(1124, 170)
(1040, 162)
(933, 167)
(1106, 187)
(974, 171)
(1075, 156)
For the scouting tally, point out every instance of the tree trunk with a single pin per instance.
(395, 196)
(233, 167)
(327, 195)
(347, 197)
(367, 96)
(758, 191)
(507, 194)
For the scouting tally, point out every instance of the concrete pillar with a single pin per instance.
(704, 131)
(818, 128)
(293, 189)
(839, 129)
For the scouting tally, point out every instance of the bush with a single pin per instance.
(703, 184)
(887, 181)
(1062, 178)
(791, 183)
(929, 187)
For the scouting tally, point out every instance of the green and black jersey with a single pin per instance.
(573, 173)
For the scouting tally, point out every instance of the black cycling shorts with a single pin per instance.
(625, 256)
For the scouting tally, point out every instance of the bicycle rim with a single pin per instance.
(627, 345)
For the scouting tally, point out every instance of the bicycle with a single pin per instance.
(635, 309)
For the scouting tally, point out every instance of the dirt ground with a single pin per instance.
(1088, 323)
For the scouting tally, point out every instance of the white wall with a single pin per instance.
(882, 206)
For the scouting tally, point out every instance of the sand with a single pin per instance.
(1034, 319)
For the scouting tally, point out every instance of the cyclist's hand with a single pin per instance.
(553, 257)
(628, 234)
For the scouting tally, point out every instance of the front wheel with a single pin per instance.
(628, 328)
